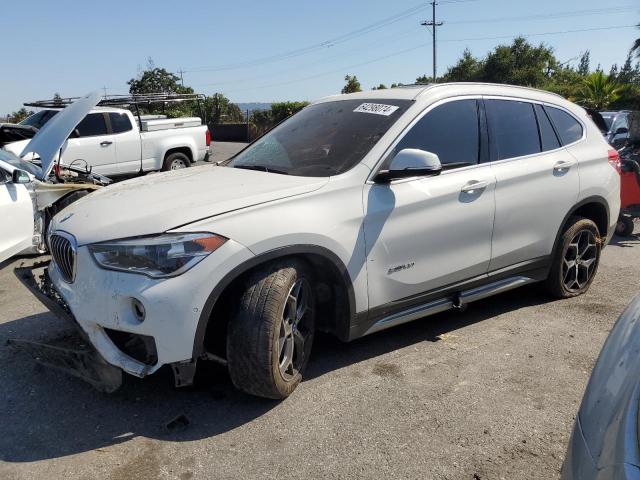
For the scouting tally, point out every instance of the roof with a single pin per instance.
(412, 92)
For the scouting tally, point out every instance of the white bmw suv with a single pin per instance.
(359, 213)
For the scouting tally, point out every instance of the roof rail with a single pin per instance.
(122, 100)
(430, 85)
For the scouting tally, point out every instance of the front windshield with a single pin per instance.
(323, 139)
(38, 120)
(17, 162)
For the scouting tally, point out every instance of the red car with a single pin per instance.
(629, 191)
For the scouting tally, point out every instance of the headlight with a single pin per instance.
(159, 256)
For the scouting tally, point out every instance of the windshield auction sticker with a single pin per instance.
(376, 109)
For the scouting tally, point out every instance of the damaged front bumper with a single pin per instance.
(85, 363)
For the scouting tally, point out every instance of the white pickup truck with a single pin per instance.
(115, 142)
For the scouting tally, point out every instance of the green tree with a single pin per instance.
(382, 86)
(598, 91)
(424, 79)
(263, 120)
(584, 67)
(519, 64)
(19, 115)
(467, 69)
(352, 85)
(57, 99)
(636, 46)
(221, 110)
(156, 80)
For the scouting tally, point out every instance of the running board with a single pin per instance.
(457, 300)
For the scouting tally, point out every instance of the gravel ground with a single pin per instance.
(490, 393)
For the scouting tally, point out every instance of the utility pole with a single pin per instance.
(181, 79)
(105, 91)
(434, 25)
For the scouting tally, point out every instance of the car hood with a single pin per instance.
(53, 135)
(159, 202)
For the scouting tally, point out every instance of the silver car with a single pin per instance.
(605, 442)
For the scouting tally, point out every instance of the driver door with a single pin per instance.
(426, 233)
(16, 214)
(94, 145)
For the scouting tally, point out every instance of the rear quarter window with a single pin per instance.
(568, 128)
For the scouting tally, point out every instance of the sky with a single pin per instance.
(264, 51)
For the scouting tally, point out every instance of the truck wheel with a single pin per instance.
(576, 259)
(270, 336)
(176, 161)
(625, 226)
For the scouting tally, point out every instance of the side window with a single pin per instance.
(4, 177)
(92, 125)
(450, 130)
(548, 136)
(513, 129)
(568, 128)
(119, 122)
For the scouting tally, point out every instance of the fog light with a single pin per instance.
(138, 309)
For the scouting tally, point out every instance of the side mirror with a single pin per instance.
(20, 176)
(622, 131)
(411, 162)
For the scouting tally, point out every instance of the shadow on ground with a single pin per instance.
(46, 414)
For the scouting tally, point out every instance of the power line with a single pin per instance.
(325, 44)
(498, 37)
(395, 37)
(434, 26)
(415, 47)
(544, 16)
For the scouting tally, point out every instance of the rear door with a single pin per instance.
(127, 142)
(94, 146)
(537, 181)
(16, 217)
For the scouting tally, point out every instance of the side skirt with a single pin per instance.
(455, 296)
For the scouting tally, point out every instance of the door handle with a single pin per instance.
(474, 186)
(564, 164)
(106, 143)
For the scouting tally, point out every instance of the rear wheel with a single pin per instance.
(625, 226)
(176, 161)
(269, 339)
(576, 259)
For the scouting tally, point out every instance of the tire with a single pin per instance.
(624, 227)
(267, 350)
(176, 161)
(576, 259)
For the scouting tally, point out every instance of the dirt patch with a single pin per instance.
(387, 370)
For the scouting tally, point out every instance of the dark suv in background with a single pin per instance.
(617, 123)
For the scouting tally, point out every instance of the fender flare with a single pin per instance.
(592, 199)
(291, 250)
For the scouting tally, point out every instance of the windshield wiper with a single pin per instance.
(261, 168)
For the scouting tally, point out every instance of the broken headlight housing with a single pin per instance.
(161, 256)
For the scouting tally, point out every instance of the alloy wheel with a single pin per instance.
(580, 261)
(177, 164)
(294, 331)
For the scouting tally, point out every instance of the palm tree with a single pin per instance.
(636, 46)
(598, 91)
